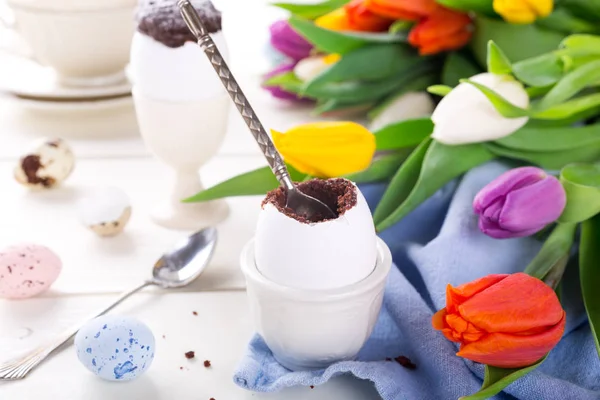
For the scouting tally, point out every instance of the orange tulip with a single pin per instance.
(409, 10)
(354, 16)
(506, 321)
(443, 30)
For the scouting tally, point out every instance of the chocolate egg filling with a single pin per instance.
(162, 21)
(338, 194)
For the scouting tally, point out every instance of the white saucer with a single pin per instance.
(26, 78)
(70, 106)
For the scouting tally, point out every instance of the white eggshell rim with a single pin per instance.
(372, 281)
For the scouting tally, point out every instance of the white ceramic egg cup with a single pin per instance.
(184, 135)
(312, 329)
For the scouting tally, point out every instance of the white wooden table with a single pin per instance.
(110, 152)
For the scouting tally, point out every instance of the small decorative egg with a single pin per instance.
(314, 255)
(105, 211)
(47, 165)
(115, 347)
(27, 270)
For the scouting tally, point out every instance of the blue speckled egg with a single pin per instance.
(116, 348)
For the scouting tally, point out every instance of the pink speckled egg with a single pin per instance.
(27, 270)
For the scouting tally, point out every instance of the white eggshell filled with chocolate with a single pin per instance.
(326, 254)
(46, 165)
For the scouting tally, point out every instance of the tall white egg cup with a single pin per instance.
(184, 135)
(312, 329)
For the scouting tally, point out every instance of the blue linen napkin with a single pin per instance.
(437, 244)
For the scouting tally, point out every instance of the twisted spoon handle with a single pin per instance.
(239, 99)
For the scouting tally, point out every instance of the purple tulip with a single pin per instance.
(519, 203)
(277, 91)
(286, 40)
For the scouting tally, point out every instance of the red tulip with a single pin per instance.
(408, 10)
(506, 321)
(440, 31)
(354, 16)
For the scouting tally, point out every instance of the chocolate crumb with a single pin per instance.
(181, 368)
(339, 194)
(195, 313)
(164, 337)
(53, 143)
(9, 269)
(207, 364)
(405, 362)
(212, 398)
(162, 21)
(312, 386)
(189, 355)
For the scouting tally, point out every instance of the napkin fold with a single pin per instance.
(437, 244)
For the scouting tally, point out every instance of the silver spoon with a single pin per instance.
(302, 204)
(177, 268)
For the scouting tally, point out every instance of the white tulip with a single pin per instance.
(465, 115)
(407, 106)
(309, 67)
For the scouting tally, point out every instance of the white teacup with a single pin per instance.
(312, 329)
(86, 42)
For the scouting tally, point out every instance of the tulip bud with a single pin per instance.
(410, 105)
(287, 41)
(354, 16)
(497, 327)
(523, 11)
(441, 31)
(465, 115)
(310, 67)
(327, 149)
(407, 10)
(519, 203)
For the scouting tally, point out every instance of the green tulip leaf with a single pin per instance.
(417, 84)
(439, 90)
(400, 27)
(518, 41)
(357, 91)
(544, 139)
(402, 182)
(257, 182)
(458, 66)
(340, 42)
(479, 6)
(589, 274)
(283, 78)
(333, 107)
(589, 44)
(497, 62)
(549, 160)
(540, 71)
(407, 133)
(381, 169)
(496, 379)
(582, 184)
(560, 111)
(441, 163)
(572, 83)
(392, 60)
(504, 107)
(569, 108)
(311, 11)
(564, 21)
(553, 252)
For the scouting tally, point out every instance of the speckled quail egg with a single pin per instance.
(115, 347)
(47, 165)
(106, 211)
(27, 270)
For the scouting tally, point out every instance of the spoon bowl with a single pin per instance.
(186, 261)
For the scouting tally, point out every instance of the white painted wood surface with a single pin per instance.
(110, 152)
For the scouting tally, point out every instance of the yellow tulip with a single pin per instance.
(523, 11)
(327, 149)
